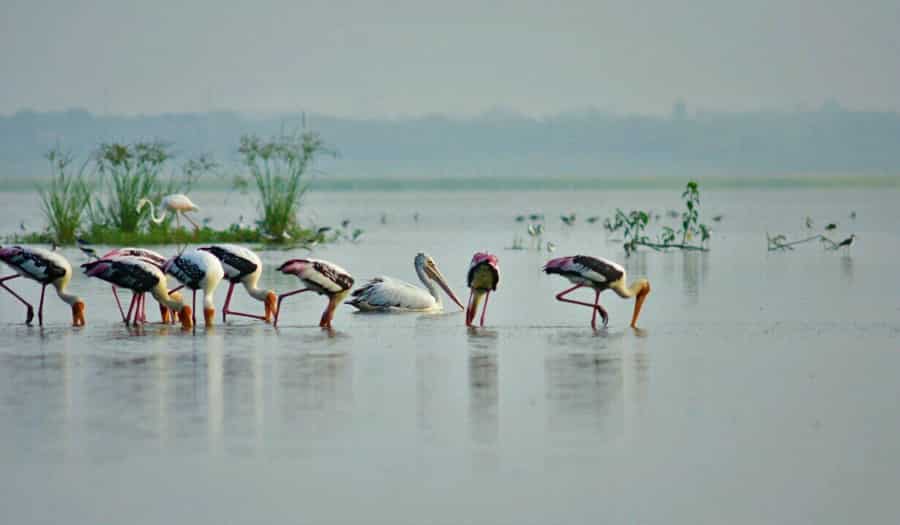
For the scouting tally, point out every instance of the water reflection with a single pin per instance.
(313, 388)
(582, 393)
(847, 268)
(694, 269)
(483, 397)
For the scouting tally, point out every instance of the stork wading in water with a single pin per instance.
(47, 268)
(140, 276)
(177, 203)
(483, 278)
(243, 266)
(322, 277)
(199, 271)
(151, 257)
(384, 294)
(598, 274)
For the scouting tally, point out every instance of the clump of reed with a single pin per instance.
(65, 200)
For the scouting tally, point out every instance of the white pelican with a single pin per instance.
(198, 270)
(319, 276)
(140, 276)
(243, 266)
(383, 294)
(177, 203)
(46, 268)
(598, 274)
(483, 278)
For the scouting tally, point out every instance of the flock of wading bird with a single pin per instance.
(202, 270)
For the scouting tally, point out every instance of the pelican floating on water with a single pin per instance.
(384, 294)
(598, 274)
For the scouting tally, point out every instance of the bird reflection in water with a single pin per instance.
(583, 392)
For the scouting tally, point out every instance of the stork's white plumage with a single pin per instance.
(322, 277)
(140, 276)
(151, 257)
(243, 266)
(598, 274)
(47, 268)
(384, 294)
(199, 271)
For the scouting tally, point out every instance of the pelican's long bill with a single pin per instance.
(432, 270)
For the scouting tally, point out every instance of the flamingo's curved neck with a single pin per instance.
(153, 217)
(628, 291)
(429, 284)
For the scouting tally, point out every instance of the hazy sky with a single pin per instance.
(455, 57)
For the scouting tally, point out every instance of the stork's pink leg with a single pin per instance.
(281, 298)
(119, 304)
(225, 309)
(596, 306)
(194, 312)
(594, 316)
(29, 312)
(484, 308)
(227, 302)
(130, 308)
(173, 290)
(41, 307)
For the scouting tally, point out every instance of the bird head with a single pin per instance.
(425, 264)
(78, 313)
(639, 301)
(271, 303)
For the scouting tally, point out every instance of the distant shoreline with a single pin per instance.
(327, 183)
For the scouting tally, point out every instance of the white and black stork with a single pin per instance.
(47, 268)
(198, 270)
(598, 274)
(243, 266)
(151, 257)
(140, 276)
(483, 278)
(322, 277)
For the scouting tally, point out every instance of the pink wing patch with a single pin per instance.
(294, 266)
(560, 263)
(10, 252)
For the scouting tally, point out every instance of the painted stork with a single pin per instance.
(383, 294)
(483, 278)
(46, 268)
(243, 266)
(198, 270)
(319, 276)
(177, 203)
(151, 257)
(599, 275)
(140, 276)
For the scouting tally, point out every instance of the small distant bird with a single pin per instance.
(672, 213)
(177, 203)
(569, 220)
(384, 218)
(718, 218)
(85, 247)
(853, 215)
(324, 278)
(483, 278)
(847, 243)
(809, 222)
(551, 246)
(344, 223)
(325, 229)
(592, 220)
(207, 220)
(416, 217)
(520, 218)
(598, 274)
(831, 226)
(22, 225)
(536, 217)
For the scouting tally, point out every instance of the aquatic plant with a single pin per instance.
(278, 166)
(633, 225)
(65, 199)
(780, 241)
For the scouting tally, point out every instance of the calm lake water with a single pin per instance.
(762, 389)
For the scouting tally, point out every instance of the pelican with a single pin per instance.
(46, 268)
(483, 278)
(198, 270)
(177, 203)
(598, 274)
(243, 266)
(383, 294)
(140, 276)
(319, 276)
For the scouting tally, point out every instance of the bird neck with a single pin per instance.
(67, 298)
(429, 284)
(153, 217)
(257, 293)
(629, 291)
(160, 292)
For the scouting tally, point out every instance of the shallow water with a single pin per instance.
(761, 389)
